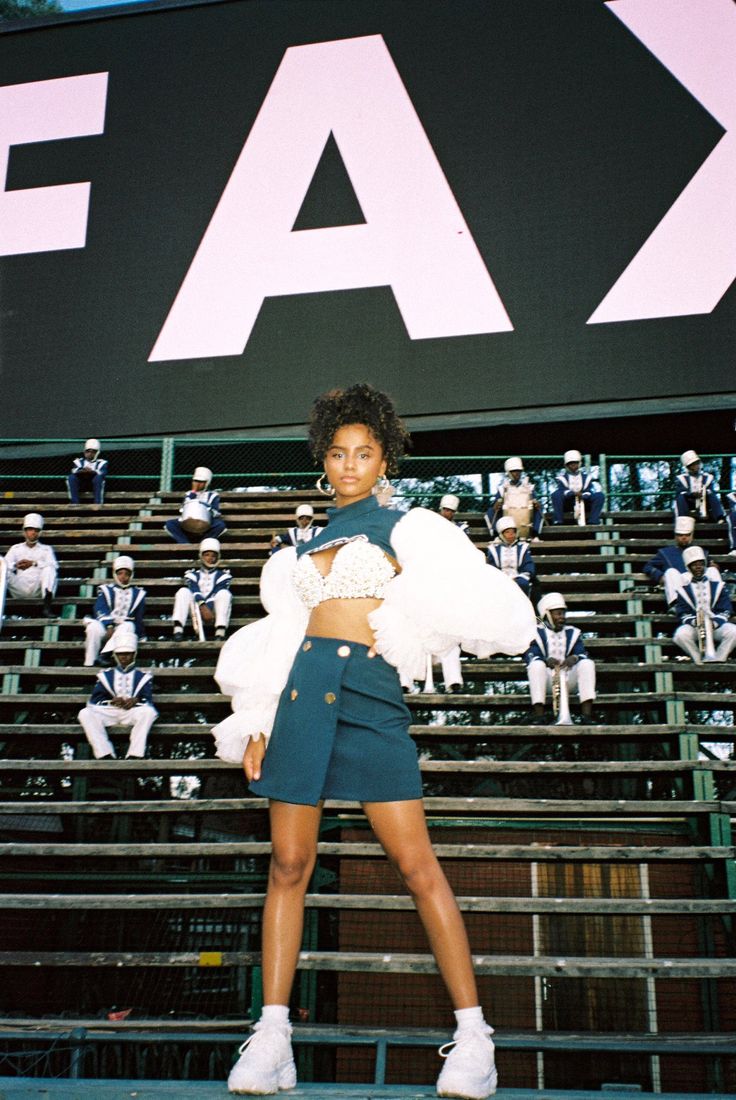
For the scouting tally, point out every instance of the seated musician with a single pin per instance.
(511, 555)
(576, 493)
(199, 514)
(703, 609)
(122, 696)
(116, 603)
(515, 497)
(558, 650)
(88, 474)
(304, 531)
(697, 492)
(206, 590)
(668, 569)
(31, 566)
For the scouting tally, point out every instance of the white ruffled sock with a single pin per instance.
(275, 1014)
(469, 1017)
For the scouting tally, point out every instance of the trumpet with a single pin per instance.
(706, 645)
(560, 697)
(579, 511)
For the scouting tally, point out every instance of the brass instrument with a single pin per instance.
(560, 697)
(429, 687)
(197, 618)
(579, 511)
(706, 644)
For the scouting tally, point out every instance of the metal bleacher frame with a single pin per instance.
(647, 697)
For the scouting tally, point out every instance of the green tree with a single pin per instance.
(28, 9)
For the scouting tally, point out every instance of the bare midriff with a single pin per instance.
(348, 618)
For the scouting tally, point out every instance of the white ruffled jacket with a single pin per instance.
(446, 594)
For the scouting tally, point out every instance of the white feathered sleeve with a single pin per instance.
(445, 595)
(254, 663)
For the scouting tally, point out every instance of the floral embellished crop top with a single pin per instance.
(360, 567)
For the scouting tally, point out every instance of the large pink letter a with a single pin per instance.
(414, 239)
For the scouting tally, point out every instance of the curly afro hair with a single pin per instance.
(360, 404)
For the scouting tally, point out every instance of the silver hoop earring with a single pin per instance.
(329, 491)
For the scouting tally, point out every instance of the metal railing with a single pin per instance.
(629, 482)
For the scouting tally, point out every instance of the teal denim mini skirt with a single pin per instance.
(341, 730)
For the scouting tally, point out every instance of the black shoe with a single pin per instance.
(588, 720)
(537, 720)
(455, 689)
(47, 611)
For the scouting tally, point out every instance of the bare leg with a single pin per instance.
(401, 829)
(294, 831)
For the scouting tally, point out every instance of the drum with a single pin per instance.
(196, 517)
(517, 503)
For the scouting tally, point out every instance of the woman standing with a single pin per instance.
(360, 604)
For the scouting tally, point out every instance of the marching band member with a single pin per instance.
(116, 603)
(199, 513)
(573, 486)
(32, 569)
(511, 555)
(703, 609)
(668, 569)
(209, 588)
(515, 491)
(449, 505)
(122, 696)
(558, 646)
(303, 532)
(88, 474)
(696, 490)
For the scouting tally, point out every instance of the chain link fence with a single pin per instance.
(630, 482)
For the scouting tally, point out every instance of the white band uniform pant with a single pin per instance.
(724, 637)
(580, 678)
(222, 604)
(95, 719)
(34, 581)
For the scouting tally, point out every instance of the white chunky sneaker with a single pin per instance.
(266, 1062)
(470, 1071)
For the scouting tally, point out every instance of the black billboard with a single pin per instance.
(210, 213)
